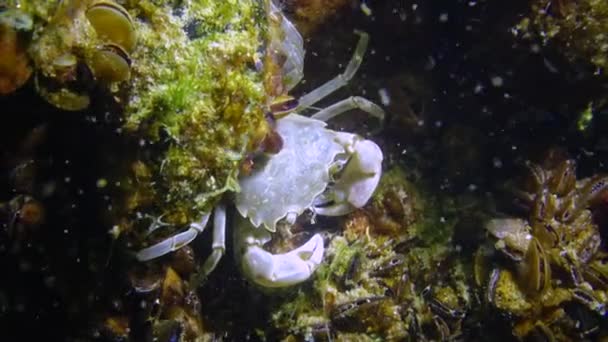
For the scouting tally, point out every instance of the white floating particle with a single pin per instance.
(497, 81)
(535, 48)
(385, 99)
(365, 9)
(101, 183)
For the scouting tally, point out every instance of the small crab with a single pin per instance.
(327, 172)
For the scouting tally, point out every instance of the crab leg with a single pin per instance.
(219, 240)
(173, 243)
(293, 47)
(340, 80)
(353, 102)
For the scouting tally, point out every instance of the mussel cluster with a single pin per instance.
(549, 265)
(81, 45)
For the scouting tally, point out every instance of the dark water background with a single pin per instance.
(463, 141)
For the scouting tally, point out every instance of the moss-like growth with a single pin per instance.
(197, 99)
(578, 27)
(388, 254)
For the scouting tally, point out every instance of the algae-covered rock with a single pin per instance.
(197, 96)
(188, 79)
(379, 280)
(577, 27)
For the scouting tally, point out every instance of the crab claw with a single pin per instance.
(360, 177)
(276, 270)
(280, 270)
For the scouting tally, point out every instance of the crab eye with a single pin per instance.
(272, 143)
(283, 105)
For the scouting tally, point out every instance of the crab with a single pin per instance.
(318, 169)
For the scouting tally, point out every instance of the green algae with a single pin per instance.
(194, 106)
(577, 27)
(196, 97)
(585, 118)
(387, 253)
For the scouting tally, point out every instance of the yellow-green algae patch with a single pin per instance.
(371, 285)
(578, 27)
(196, 96)
(38, 10)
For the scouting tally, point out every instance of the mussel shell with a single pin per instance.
(113, 23)
(587, 244)
(594, 188)
(546, 233)
(568, 209)
(110, 63)
(563, 178)
(441, 330)
(597, 273)
(481, 265)
(536, 179)
(535, 270)
(588, 298)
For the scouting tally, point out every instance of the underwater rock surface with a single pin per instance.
(127, 121)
